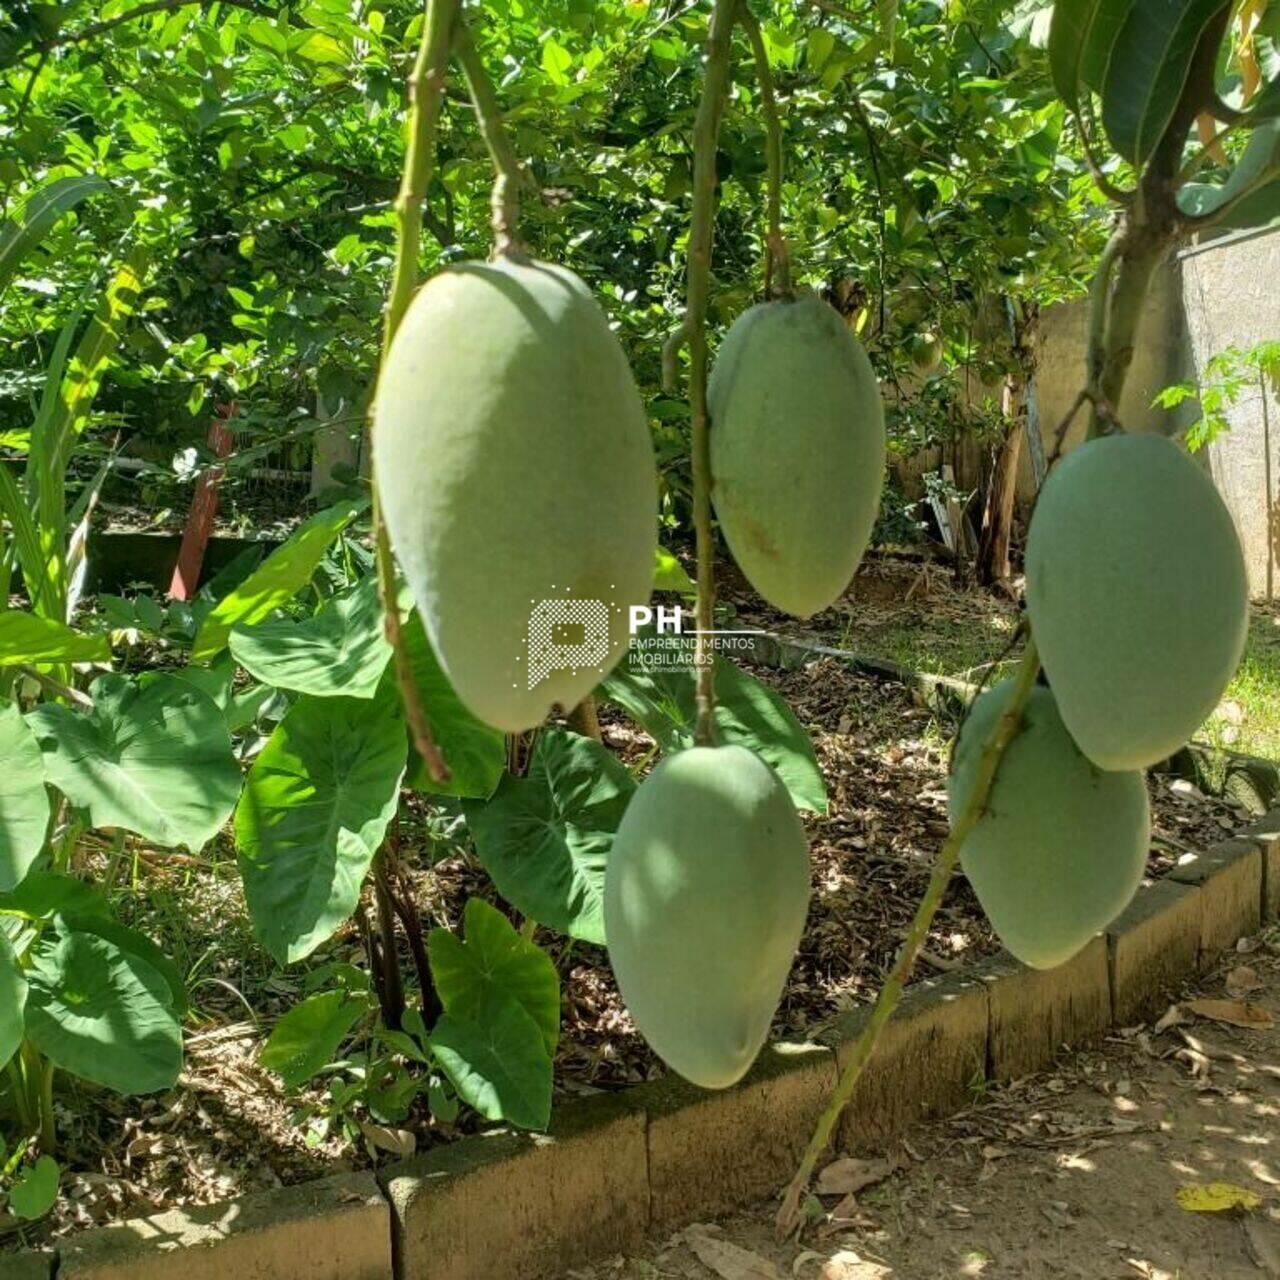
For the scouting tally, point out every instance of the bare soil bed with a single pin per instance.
(228, 1127)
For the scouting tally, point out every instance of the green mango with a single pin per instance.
(515, 468)
(797, 451)
(705, 894)
(1137, 595)
(926, 351)
(1062, 845)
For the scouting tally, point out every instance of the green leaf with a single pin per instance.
(498, 1064)
(153, 759)
(35, 1189)
(339, 652)
(28, 639)
(102, 1013)
(1106, 18)
(748, 713)
(669, 574)
(1148, 69)
(1068, 30)
(24, 801)
(13, 995)
(44, 894)
(135, 944)
(475, 753)
(307, 1038)
(18, 235)
(1234, 209)
(315, 809)
(494, 964)
(278, 578)
(545, 838)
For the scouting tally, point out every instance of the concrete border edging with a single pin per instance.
(615, 1166)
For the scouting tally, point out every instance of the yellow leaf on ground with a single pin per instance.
(1216, 1197)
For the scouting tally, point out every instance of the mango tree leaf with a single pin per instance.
(43, 207)
(1240, 211)
(35, 1189)
(315, 809)
(1148, 70)
(307, 1038)
(13, 995)
(24, 801)
(102, 1013)
(475, 753)
(1105, 21)
(498, 1063)
(153, 759)
(748, 713)
(339, 652)
(26, 638)
(1067, 32)
(545, 838)
(278, 578)
(494, 963)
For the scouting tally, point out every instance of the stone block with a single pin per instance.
(1154, 946)
(1229, 876)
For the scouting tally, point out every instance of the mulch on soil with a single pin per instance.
(228, 1128)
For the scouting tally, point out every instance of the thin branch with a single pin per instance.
(1005, 730)
(510, 174)
(706, 132)
(57, 688)
(776, 257)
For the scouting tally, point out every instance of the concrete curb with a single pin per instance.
(615, 1166)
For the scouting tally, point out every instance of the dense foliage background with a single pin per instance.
(253, 149)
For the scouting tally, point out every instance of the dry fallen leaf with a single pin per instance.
(400, 1142)
(727, 1260)
(849, 1176)
(1238, 1013)
(847, 1265)
(1171, 1017)
(1242, 980)
(1215, 1197)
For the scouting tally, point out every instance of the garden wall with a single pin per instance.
(1221, 293)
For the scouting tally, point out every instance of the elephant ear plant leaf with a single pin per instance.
(24, 800)
(152, 758)
(544, 838)
(501, 1019)
(315, 809)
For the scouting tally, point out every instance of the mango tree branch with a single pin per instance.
(706, 134)
(509, 173)
(1005, 730)
(426, 92)
(775, 257)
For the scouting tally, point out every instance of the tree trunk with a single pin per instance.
(997, 520)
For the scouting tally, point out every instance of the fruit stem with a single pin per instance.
(1002, 734)
(777, 262)
(426, 93)
(706, 133)
(509, 173)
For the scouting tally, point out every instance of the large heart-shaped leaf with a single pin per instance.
(13, 995)
(154, 759)
(24, 801)
(102, 1013)
(475, 753)
(494, 963)
(315, 809)
(279, 577)
(339, 652)
(306, 1039)
(497, 1063)
(27, 638)
(1147, 71)
(748, 714)
(545, 838)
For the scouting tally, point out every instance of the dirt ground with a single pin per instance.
(1074, 1173)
